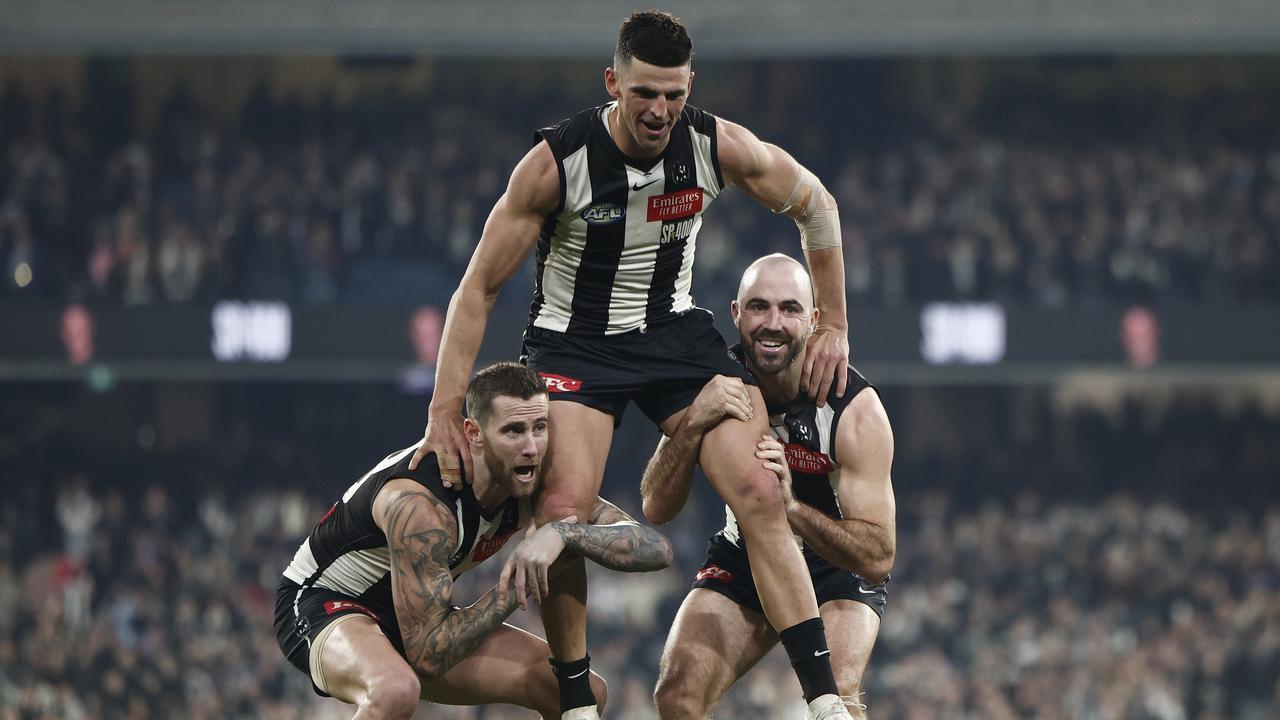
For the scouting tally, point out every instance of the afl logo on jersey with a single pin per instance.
(602, 214)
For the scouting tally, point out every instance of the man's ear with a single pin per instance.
(611, 83)
(472, 430)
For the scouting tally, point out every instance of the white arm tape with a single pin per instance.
(821, 230)
(805, 180)
(819, 226)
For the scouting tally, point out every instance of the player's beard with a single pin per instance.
(773, 364)
(506, 473)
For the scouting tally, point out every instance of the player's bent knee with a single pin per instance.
(755, 495)
(677, 703)
(393, 695)
(677, 697)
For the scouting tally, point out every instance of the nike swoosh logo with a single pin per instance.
(866, 592)
(820, 653)
(637, 188)
(584, 672)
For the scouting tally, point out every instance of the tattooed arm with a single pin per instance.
(421, 534)
(613, 539)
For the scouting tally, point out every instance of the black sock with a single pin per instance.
(575, 682)
(806, 645)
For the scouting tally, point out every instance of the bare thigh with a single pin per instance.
(851, 634)
(713, 642)
(509, 667)
(578, 448)
(354, 657)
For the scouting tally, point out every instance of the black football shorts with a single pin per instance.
(302, 614)
(661, 368)
(727, 571)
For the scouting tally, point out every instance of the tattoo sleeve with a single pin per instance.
(435, 635)
(616, 541)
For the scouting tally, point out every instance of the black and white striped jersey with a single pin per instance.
(347, 552)
(808, 434)
(617, 254)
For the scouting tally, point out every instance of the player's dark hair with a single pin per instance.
(655, 37)
(505, 378)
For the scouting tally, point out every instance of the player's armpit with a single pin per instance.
(421, 534)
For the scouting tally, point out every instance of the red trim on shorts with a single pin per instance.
(560, 383)
(714, 572)
(333, 606)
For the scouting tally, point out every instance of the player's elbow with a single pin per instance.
(827, 201)
(870, 557)
(429, 669)
(652, 551)
(475, 291)
(657, 512)
(874, 572)
(663, 554)
(428, 664)
(878, 566)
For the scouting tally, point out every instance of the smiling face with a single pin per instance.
(650, 100)
(774, 314)
(512, 442)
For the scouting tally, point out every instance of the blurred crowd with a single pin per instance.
(1081, 579)
(383, 197)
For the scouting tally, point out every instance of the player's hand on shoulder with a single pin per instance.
(445, 438)
(526, 571)
(722, 396)
(826, 361)
(774, 456)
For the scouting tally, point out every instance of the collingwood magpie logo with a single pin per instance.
(801, 431)
(602, 214)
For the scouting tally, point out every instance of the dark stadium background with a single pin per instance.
(228, 235)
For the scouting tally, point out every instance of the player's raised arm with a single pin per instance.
(774, 179)
(664, 488)
(421, 534)
(864, 541)
(509, 234)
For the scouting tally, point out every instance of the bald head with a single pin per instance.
(781, 270)
(774, 313)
